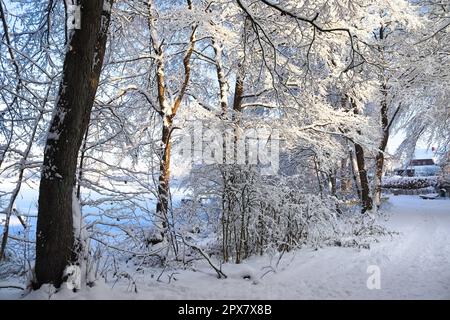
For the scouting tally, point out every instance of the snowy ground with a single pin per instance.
(413, 265)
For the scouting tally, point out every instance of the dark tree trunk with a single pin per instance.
(366, 200)
(55, 239)
(238, 92)
(355, 175)
(164, 175)
(379, 159)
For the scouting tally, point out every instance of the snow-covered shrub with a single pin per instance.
(399, 182)
(299, 218)
(359, 230)
(253, 213)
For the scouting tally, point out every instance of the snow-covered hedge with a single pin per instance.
(399, 182)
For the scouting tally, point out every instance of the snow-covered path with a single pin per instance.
(415, 264)
(418, 265)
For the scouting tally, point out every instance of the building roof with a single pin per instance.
(421, 162)
(424, 153)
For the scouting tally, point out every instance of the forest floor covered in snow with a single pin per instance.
(413, 264)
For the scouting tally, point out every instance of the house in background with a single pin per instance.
(422, 165)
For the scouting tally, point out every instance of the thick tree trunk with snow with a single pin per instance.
(366, 200)
(164, 174)
(355, 174)
(167, 112)
(379, 159)
(55, 239)
(222, 81)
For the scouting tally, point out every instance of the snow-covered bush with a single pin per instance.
(253, 213)
(399, 182)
